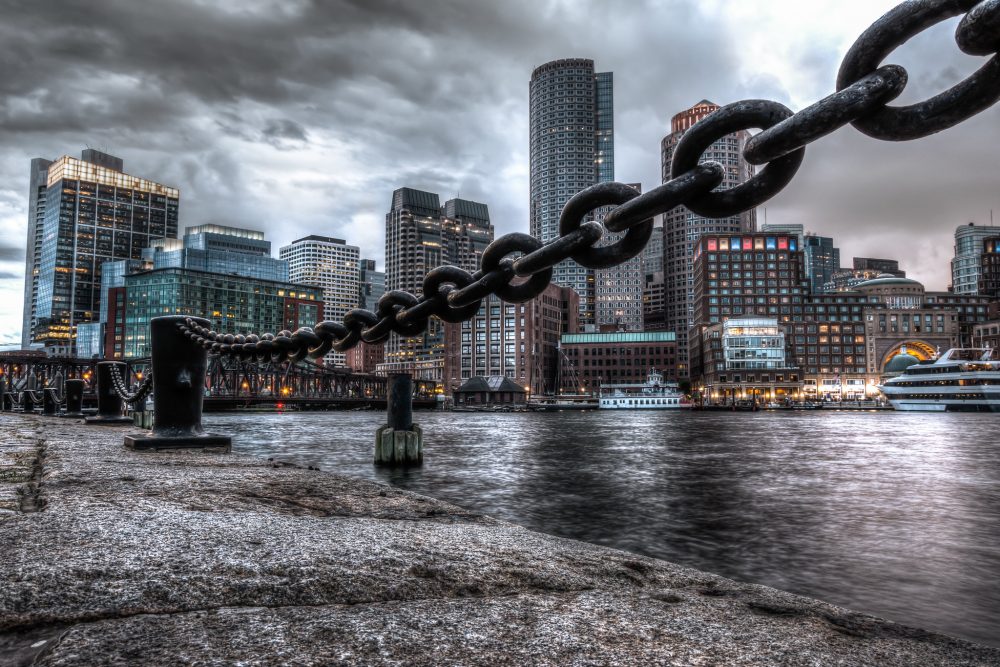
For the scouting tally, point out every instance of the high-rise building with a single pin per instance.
(371, 284)
(82, 213)
(420, 235)
(572, 146)
(822, 260)
(682, 228)
(989, 268)
(331, 264)
(783, 228)
(653, 307)
(965, 267)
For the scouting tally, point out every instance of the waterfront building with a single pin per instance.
(821, 259)
(364, 358)
(572, 146)
(334, 266)
(233, 304)
(221, 249)
(494, 390)
(839, 341)
(588, 360)
(744, 359)
(371, 285)
(82, 213)
(422, 235)
(518, 341)
(90, 340)
(682, 228)
(966, 265)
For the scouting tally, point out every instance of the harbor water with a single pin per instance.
(894, 514)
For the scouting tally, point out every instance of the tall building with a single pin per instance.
(783, 228)
(219, 249)
(989, 268)
(519, 341)
(965, 267)
(371, 284)
(822, 260)
(618, 291)
(420, 235)
(653, 306)
(83, 213)
(572, 146)
(331, 264)
(682, 228)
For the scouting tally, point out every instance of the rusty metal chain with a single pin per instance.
(141, 392)
(517, 267)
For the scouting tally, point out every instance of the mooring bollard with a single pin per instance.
(179, 367)
(74, 399)
(400, 442)
(28, 401)
(8, 401)
(109, 403)
(50, 401)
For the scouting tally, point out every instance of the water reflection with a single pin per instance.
(894, 514)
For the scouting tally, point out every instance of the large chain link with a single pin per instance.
(140, 394)
(517, 267)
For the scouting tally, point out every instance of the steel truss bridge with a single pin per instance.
(231, 384)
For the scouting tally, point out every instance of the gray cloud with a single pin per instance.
(298, 117)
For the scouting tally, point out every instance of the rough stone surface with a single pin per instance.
(111, 556)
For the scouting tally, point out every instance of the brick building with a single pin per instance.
(589, 360)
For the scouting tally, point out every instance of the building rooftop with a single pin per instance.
(72, 168)
(620, 337)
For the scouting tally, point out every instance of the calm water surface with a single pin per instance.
(893, 514)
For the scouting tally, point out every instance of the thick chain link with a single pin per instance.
(141, 392)
(517, 267)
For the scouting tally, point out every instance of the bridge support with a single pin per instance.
(109, 403)
(400, 442)
(178, 367)
(74, 399)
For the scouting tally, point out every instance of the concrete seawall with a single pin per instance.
(109, 556)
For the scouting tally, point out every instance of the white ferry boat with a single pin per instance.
(960, 380)
(655, 394)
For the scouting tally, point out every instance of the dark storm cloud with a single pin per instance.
(299, 116)
(11, 253)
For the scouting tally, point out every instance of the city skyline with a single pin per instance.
(273, 120)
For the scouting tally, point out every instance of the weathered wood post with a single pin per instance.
(178, 367)
(400, 442)
(109, 403)
(74, 398)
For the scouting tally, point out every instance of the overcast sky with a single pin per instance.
(298, 118)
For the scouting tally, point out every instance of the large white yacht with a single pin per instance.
(960, 380)
(655, 394)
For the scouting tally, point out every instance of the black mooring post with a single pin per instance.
(27, 402)
(178, 367)
(50, 401)
(399, 402)
(109, 403)
(8, 401)
(74, 398)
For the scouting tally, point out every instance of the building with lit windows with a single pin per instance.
(371, 285)
(420, 235)
(618, 290)
(83, 213)
(334, 266)
(233, 304)
(822, 260)
(966, 266)
(572, 146)
(863, 269)
(517, 341)
(682, 228)
(588, 360)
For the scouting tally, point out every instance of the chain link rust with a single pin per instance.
(864, 87)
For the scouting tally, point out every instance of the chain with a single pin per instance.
(518, 267)
(141, 392)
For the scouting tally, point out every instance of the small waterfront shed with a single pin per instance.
(492, 390)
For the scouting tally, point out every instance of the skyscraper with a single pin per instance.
(682, 228)
(331, 264)
(420, 235)
(822, 260)
(371, 284)
(618, 289)
(83, 213)
(572, 147)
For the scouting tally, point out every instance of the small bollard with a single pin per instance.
(109, 403)
(27, 402)
(8, 401)
(179, 367)
(74, 399)
(50, 401)
(400, 442)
